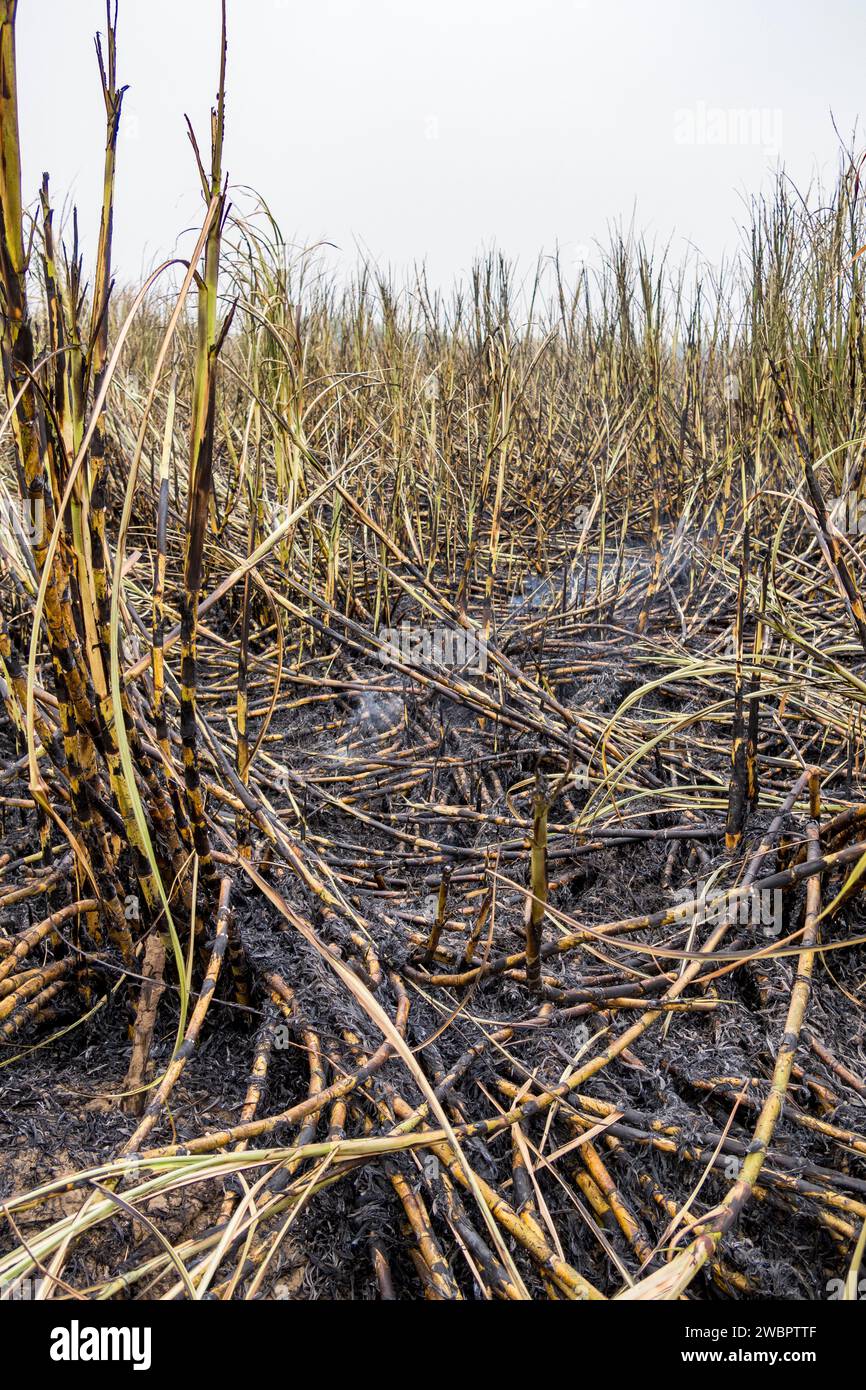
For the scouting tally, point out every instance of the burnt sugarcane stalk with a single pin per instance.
(112, 96)
(830, 542)
(536, 904)
(753, 787)
(17, 341)
(201, 472)
(738, 791)
(37, 453)
(242, 750)
(441, 909)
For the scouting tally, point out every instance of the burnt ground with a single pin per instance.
(688, 1093)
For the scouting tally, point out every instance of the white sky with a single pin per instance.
(433, 130)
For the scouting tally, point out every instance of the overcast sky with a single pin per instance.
(433, 130)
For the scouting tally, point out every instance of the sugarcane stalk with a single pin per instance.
(201, 470)
(536, 904)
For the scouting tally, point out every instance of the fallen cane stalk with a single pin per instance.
(671, 1281)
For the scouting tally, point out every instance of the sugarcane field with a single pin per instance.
(432, 771)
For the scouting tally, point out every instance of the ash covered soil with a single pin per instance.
(676, 1109)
